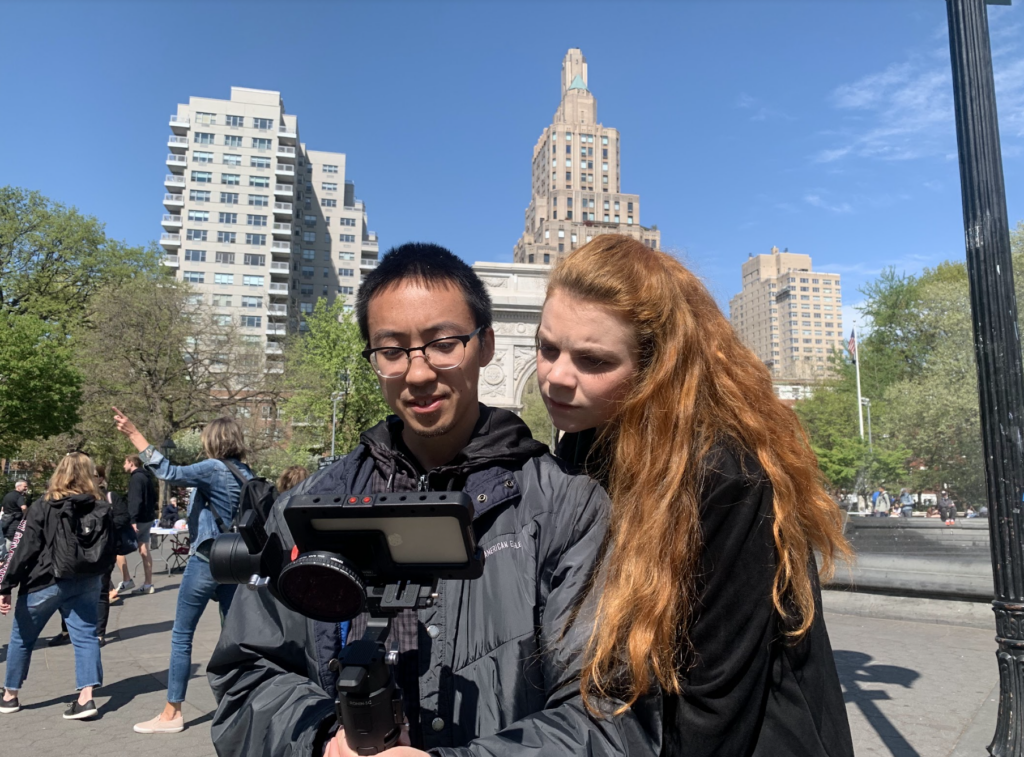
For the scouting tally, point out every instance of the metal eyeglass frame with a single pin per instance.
(464, 338)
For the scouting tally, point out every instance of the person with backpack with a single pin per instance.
(220, 482)
(59, 556)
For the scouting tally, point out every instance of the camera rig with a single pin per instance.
(378, 554)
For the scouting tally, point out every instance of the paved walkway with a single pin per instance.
(914, 688)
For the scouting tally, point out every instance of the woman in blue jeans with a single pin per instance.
(215, 498)
(72, 487)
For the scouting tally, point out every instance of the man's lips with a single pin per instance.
(425, 404)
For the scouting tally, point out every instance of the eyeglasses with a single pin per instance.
(442, 354)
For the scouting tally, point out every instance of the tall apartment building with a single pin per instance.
(260, 225)
(789, 315)
(576, 179)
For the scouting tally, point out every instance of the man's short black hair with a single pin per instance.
(430, 264)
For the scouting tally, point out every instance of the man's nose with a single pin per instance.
(420, 370)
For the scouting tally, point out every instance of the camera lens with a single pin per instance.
(322, 586)
(231, 561)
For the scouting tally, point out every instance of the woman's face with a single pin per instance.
(586, 355)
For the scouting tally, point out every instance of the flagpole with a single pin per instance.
(856, 362)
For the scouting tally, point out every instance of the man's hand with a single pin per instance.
(338, 747)
(126, 427)
(5, 604)
(135, 527)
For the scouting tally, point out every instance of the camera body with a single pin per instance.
(380, 554)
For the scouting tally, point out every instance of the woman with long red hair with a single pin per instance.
(708, 586)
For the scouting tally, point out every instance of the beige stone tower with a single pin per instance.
(576, 191)
(260, 225)
(789, 315)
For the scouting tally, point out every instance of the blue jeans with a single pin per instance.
(77, 599)
(197, 588)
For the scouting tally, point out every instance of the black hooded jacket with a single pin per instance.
(494, 674)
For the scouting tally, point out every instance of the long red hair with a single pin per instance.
(696, 386)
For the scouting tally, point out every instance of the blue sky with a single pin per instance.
(825, 127)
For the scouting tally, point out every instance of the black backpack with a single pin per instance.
(81, 538)
(257, 494)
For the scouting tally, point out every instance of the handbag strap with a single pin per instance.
(213, 510)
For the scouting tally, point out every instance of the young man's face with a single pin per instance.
(432, 403)
(128, 467)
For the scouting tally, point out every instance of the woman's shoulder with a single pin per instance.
(734, 486)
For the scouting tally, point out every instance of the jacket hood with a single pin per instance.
(499, 438)
(75, 499)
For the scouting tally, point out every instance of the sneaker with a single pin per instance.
(7, 706)
(76, 711)
(156, 725)
(125, 585)
(145, 589)
(59, 640)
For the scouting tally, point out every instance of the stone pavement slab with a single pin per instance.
(921, 686)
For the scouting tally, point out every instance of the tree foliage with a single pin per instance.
(327, 361)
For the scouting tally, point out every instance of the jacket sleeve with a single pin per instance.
(565, 727)
(267, 704)
(30, 547)
(723, 700)
(177, 475)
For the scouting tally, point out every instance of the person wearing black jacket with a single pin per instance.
(12, 510)
(491, 668)
(142, 512)
(709, 580)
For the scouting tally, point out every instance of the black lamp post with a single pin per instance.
(996, 346)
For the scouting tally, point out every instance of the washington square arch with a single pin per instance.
(517, 292)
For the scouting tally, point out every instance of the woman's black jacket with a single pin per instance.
(747, 689)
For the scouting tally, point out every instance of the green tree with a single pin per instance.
(535, 414)
(53, 260)
(39, 389)
(327, 361)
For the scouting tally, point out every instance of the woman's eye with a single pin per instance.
(592, 362)
(547, 351)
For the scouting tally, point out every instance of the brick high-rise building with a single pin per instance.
(260, 225)
(789, 315)
(576, 179)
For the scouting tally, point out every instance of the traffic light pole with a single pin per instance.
(996, 346)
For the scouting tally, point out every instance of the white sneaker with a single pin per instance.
(145, 589)
(125, 586)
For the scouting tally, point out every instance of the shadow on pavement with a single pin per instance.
(144, 629)
(855, 668)
(120, 693)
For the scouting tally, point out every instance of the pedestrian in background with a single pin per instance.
(12, 510)
(211, 509)
(291, 477)
(906, 504)
(66, 544)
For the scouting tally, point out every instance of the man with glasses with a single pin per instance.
(492, 668)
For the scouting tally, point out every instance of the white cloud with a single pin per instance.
(905, 111)
(761, 111)
(818, 202)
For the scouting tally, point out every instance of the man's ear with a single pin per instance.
(486, 346)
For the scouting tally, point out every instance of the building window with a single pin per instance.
(346, 237)
(629, 220)
(202, 157)
(196, 235)
(328, 186)
(202, 177)
(561, 247)
(199, 215)
(259, 201)
(309, 254)
(329, 203)
(307, 271)
(260, 143)
(203, 138)
(568, 136)
(346, 221)
(346, 272)
(547, 257)
(234, 120)
(230, 178)
(252, 281)
(222, 300)
(330, 169)
(226, 258)
(309, 220)
(226, 237)
(232, 141)
(229, 198)
(232, 160)
(256, 239)
(530, 258)
(251, 321)
(258, 162)
(256, 220)
(264, 124)
(346, 290)
(195, 256)
(199, 195)
(309, 236)
(224, 278)
(259, 181)
(227, 218)
(257, 260)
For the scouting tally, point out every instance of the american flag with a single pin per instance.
(852, 345)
